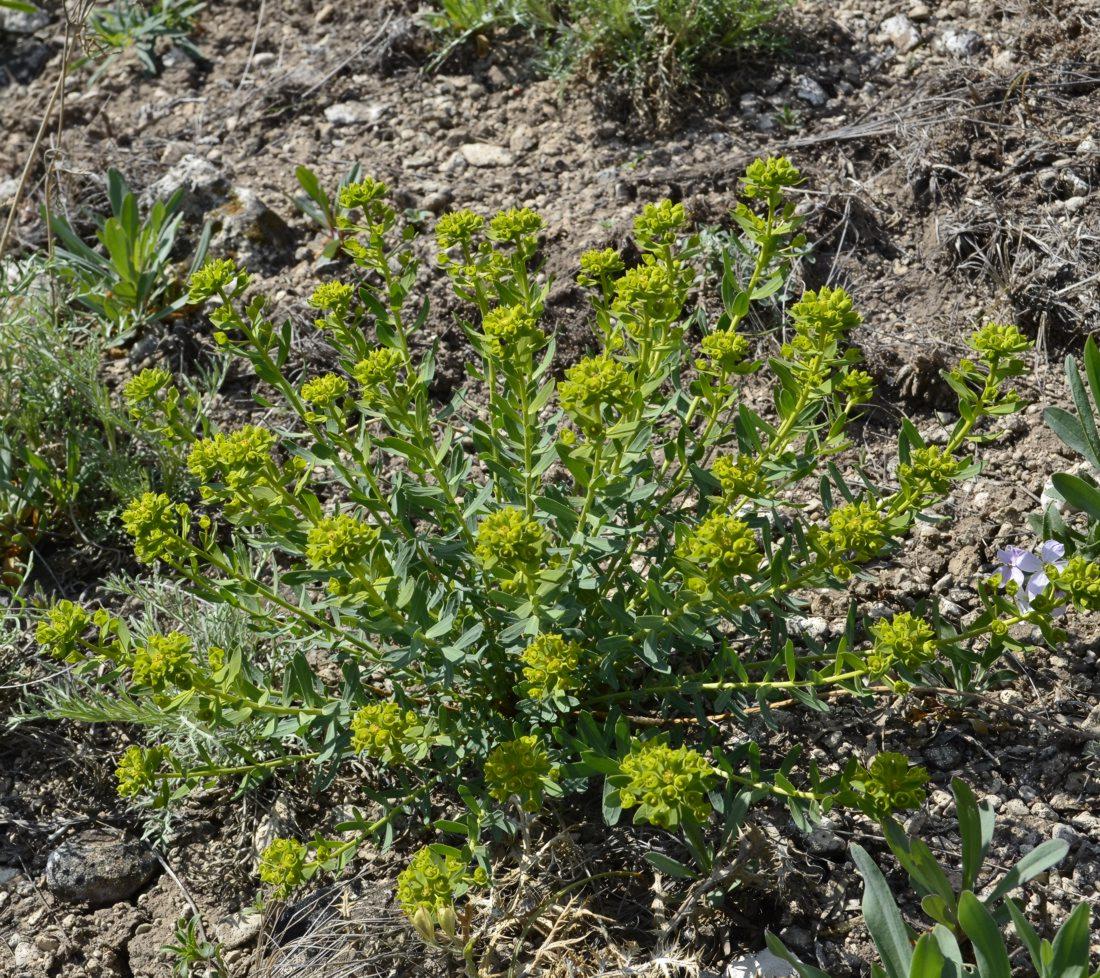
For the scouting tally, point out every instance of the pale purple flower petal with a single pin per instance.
(1053, 552)
(1037, 583)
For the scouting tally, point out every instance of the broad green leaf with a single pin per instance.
(989, 946)
(928, 960)
(883, 918)
(1078, 493)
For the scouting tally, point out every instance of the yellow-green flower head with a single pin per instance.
(931, 468)
(59, 633)
(363, 193)
(765, 178)
(858, 530)
(517, 768)
(858, 385)
(551, 664)
(137, 769)
(905, 639)
(994, 341)
(332, 297)
(506, 326)
(590, 386)
(217, 275)
(738, 477)
(458, 227)
(890, 784)
(145, 386)
(340, 541)
(515, 224)
(668, 785)
(510, 537)
(283, 866)
(378, 369)
(599, 267)
(722, 545)
(726, 348)
(156, 525)
(431, 881)
(1080, 579)
(243, 453)
(163, 660)
(324, 391)
(650, 289)
(824, 315)
(383, 731)
(658, 223)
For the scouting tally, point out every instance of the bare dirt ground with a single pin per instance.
(952, 155)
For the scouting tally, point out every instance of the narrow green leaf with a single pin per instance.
(1066, 426)
(1026, 933)
(1083, 405)
(1040, 859)
(975, 829)
(779, 949)
(669, 866)
(1071, 943)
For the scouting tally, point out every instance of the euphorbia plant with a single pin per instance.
(559, 575)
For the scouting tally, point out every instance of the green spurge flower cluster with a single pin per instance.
(548, 585)
(520, 769)
(668, 785)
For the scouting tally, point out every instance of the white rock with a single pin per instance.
(901, 32)
(354, 113)
(25, 954)
(486, 154)
(961, 44)
(763, 964)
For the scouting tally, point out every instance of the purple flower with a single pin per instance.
(1028, 571)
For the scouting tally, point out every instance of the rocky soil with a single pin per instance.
(952, 152)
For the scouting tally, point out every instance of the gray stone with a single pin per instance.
(901, 32)
(204, 186)
(354, 113)
(810, 91)
(22, 22)
(486, 155)
(98, 869)
(823, 841)
(238, 929)
(1066, 833)
(248, 230)
(943, 755)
